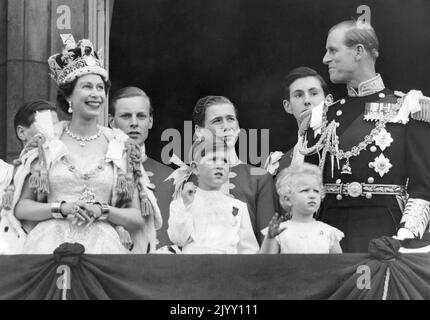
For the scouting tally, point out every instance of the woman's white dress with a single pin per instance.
(71, 179)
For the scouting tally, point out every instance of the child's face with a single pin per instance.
(306, 196)
(213, 170)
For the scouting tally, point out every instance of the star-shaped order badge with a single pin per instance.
(381, 165)
(383, 139)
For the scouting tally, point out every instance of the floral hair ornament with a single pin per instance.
(204, 143)
(76, 59)
(181, 175)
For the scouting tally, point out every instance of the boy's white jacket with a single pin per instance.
(12, 232)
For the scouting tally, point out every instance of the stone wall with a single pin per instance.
(29, 33)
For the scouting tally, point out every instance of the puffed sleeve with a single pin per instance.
(277, 238)
(248, 243)
(180, 227)
(335, 236)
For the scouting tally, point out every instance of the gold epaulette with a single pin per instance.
(424, 114)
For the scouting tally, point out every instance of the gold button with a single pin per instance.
(370, 180)
(337, 124)
(373, 149)
(338, 181)
(339, 197)
(368, 195)
(381, 95)
(339, 113)
(370, 165)
(342, 101)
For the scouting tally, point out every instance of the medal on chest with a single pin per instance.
(381, 165)
(378, 135)
(383, 139)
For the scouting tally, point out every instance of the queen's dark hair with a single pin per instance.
(65, 90)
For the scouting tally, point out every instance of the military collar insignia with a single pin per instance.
(367, 87)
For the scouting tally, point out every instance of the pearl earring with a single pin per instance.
(70, 110)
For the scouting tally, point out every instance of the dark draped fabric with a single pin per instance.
(217, 277)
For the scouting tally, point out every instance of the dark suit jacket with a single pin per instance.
(157, 173)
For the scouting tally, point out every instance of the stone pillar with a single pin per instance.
(29, 33)
(27, 49)
(3, 56)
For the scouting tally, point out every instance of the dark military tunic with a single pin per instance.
(255, 187)
(157, 173)
(361, 218)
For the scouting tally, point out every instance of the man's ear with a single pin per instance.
(360, 52)
(20, 132)
(111, 121)
(287, 106)
(151, 122)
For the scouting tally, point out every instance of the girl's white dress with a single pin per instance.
(307, 237)
(213, 223)
(71, 179)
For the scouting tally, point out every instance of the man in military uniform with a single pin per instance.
(370, 146)
(131, 111)
(304, 89)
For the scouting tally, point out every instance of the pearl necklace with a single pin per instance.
(83, 139)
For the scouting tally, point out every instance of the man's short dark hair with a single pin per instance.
(25, 115)
(127, 92)
(199, 111)
(299, 73)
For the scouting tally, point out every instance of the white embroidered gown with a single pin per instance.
(72, 178)
(213, 223)
(313, 237)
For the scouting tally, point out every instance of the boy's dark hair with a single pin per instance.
(302, 72)
(26, 113)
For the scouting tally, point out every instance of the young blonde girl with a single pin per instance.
(300, 191)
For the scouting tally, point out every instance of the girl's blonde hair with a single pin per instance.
(287, 180)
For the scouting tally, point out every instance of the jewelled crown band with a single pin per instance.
(77, 59)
